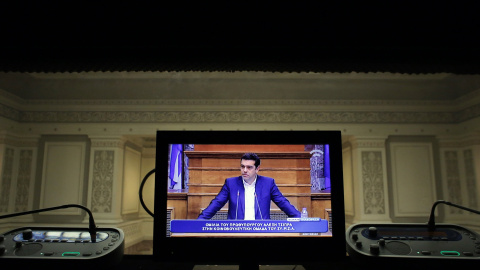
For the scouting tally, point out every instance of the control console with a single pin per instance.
(375, 243)
(71, 247)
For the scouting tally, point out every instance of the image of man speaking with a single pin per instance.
(249, 195)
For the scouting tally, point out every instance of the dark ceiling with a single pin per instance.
(387, 36)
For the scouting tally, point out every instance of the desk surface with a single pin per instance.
(145, 262)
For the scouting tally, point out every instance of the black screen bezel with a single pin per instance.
(268, 250)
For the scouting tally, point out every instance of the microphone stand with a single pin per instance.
(92, 229)
(431, 221)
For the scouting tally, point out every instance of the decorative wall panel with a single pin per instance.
(24, 181)
(413, 178)
(372, 181)
(63, 170)
(471, 177)
(7, 175)
(317, 174)
(454, 187)
(102, 186)
(348, 181)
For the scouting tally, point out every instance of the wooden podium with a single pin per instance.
(210, 165)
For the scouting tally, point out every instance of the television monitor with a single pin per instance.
(191, 169)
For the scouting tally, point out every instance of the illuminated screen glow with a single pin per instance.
(300, 176)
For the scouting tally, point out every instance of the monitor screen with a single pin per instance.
(272, 197)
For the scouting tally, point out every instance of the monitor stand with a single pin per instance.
(248, 266)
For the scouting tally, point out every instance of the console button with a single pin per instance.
(381, 242)
(27, 234)
(374, 249)
(2, 249)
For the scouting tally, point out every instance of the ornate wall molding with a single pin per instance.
(236, 102)
(467, 113)
(238, 117)
(237, 111)
(369, 143)
(460, 141)
(18, 141)
(108, 143)
(9, 112)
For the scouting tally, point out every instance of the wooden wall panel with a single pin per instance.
(210, 165)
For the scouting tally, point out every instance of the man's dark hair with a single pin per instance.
(251, 156)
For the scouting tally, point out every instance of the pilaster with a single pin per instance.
(106, 178)
(366, 196)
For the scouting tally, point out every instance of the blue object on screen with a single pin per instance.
(176, 166)
(307, 225)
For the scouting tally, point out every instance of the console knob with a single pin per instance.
(18, 244)
(374, 249)
(358, 244)
(2, 237)
(381, 242)
(355, 237)
(2, 249)
(372, 231)
(27, 234)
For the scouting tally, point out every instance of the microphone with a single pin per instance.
(92, 229)
(259, 209)
(236, 210)
(431, 221)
